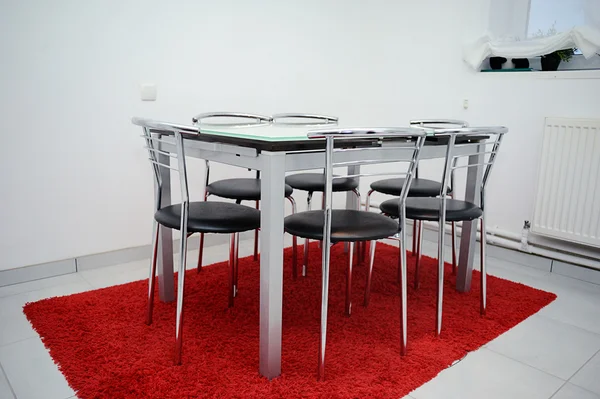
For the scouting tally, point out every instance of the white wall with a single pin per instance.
(74, 176)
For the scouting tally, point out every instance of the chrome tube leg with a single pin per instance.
(454, 263)
(483, 269)
(419, 251)
(306, 241)
(232, 240)
(152, 277)
(370, 272)
(294, 243)
(403, 286)
(349, 280)
(256, 237)
(180, 287)
(237, 264)
(201, 248)
(440, 292)
(200, 253)
(414, 238)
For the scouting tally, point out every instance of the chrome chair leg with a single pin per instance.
(324, 309)
(152, 277)
(232, 240)
(414, 238)
(200, 253)
(306, 241)
(419, 252)
(349, 279)
(256, 237)
(360, 245)
(294, 242)
(454, 249)
(403, 292)
(440, 293)
(237, 264)
(370, 272)
(483, 275)
(180, 287)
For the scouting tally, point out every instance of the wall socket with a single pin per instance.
(148, 92)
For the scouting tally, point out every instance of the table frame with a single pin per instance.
(273, 166)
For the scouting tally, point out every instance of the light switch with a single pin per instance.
(466, 104)
(148, 92)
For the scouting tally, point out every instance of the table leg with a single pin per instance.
(351, 200)
(166, 281)
(271, 262)
(469, 229)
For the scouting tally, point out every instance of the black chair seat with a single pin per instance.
(239, 189)
(312, 182)
(429, 209)
(211, 217)
(347, 225)
(418, 187)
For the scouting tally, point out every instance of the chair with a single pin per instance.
(188, 217)
(351, 226)
(313, 182)
(238, 189)
(420, 188)
(442, 209)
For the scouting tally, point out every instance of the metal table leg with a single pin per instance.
(469, 229)
(166, 281)
(271, 262)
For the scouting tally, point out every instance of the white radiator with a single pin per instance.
(567, 201)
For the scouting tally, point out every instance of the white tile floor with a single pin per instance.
(554, 354)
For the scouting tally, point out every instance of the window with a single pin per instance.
(554, 16)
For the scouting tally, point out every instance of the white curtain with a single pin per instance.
(518, 43)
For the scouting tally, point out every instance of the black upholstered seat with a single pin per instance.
(418, 187)
(429, 209)
(211, 217)
(346, 225)
(247, 189)
(312, 182)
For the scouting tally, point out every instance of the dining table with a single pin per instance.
(273, 150)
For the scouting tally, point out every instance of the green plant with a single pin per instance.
(564, 54)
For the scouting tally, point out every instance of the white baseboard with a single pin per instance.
(87, 262)
(52, 269)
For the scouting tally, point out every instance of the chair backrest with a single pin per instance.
(409, 143)
(439, 123)
(231, 119)
(481, 156)
(154, 133)
(300, 119)
(436, 123)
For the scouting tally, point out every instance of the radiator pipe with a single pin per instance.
(519, 242)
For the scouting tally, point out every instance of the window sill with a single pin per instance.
(564, 74)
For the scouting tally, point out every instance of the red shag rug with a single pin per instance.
(104, 349)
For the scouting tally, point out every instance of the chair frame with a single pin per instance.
(417, 233)
(418, 135)
(497, 132)
(256, 120)
(153, 131)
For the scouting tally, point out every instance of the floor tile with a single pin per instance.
(578, 308)
(31, 371)
(570, 391)
(15, 326)
(486, 374)
(40, 284)
(589, 376)
(5, 389)
(552, 346)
